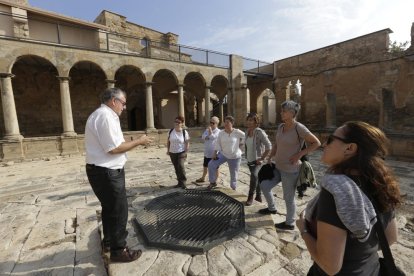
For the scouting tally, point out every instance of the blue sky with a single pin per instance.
(268, 30)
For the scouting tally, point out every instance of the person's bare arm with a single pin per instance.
(312, 143)
(127, 146)
(328, 250)
(391, 232)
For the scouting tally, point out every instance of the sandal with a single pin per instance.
(125, 255)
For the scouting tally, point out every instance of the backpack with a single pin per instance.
(169, 133)
(266, 172)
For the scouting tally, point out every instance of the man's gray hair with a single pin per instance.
(291, 105)
(111, 93)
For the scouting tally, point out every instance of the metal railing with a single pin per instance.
(254, 66)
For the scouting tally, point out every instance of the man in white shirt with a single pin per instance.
(106, 149)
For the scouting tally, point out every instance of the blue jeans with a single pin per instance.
(234, 165)
(109, 187)
(289, 188)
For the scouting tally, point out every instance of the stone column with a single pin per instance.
(11, 123)
(330, 110)
(200, 112)
(221, 111)
(111, 83)
(265, 111)
(207, 105)
(181, 100)
(149, 106)
(245, 104)
(67, 118)
(229, 100)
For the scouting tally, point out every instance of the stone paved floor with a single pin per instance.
(49, 225)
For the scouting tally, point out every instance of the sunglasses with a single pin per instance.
(333, 137)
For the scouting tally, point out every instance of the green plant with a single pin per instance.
(397, 47)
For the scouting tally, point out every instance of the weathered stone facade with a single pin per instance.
(358, 79)
(51, 80)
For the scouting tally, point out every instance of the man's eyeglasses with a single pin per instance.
(333, 137)
(177, 122)
(121, 101)
(212, 123)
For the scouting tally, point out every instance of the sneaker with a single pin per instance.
(266, 211)
(212, 186)
(125, 255)
(284, 226)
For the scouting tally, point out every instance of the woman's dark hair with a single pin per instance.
(253, 116)
(368, 164)
(230, 118)
(181, 118)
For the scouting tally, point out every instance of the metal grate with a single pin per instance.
(192, 220)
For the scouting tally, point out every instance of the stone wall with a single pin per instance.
(356, 72)
(117, 23)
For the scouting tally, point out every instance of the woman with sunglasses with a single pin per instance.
(257, 148)
(177, 147)
(209, 138)
(227, 149)
(287, 151)
(337, 226)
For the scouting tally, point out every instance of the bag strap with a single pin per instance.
(297, 133)
(385, 248)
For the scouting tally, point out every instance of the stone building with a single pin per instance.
(53, 68)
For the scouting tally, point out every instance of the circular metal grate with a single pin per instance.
(192, 220)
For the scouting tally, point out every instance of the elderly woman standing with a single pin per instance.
(257, 148)
(177, 147)
(209, 138)
(229, 143)
(357, 190)
(287, 151)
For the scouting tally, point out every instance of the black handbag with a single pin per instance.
(387, 264)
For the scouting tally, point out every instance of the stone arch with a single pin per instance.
(266, 107)
(194, 87)
(36, 87)
(132, 80)
(165, 85)
(87, 81)
(219, 88)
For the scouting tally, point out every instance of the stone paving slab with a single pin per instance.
(49, 222)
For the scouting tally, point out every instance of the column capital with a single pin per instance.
(209, 87)
(181, 85)
(6, 75)
(63, 78)
(147, 83)
(244, 85)
(110, 81)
